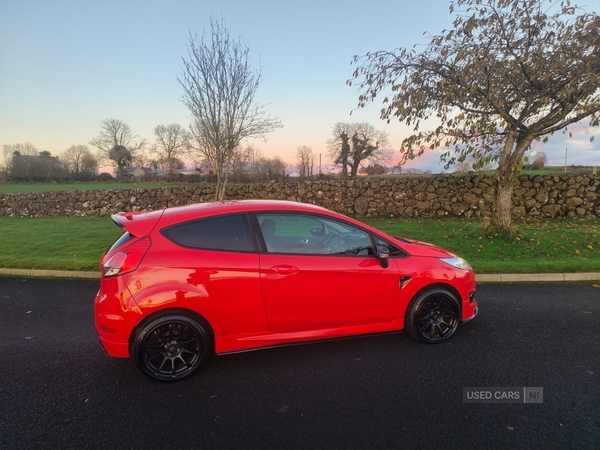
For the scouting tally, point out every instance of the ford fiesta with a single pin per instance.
(221, 277)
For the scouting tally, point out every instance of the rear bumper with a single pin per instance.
(116, 349)
(116, 315)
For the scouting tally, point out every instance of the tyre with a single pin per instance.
(433, 316)
(170, 348)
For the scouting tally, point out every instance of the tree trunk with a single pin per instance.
(344, 169)
(501, 212)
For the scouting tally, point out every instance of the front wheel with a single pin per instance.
(433, 316)
(171, 347)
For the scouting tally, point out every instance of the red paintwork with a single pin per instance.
(259, 299)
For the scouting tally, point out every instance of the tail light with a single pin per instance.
(127, 258)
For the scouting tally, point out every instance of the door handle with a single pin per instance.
(285, 270)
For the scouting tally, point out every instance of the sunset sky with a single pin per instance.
(66, 65)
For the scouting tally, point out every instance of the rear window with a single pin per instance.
(125, 237)
(229, 233)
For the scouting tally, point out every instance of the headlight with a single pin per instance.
(457, 262)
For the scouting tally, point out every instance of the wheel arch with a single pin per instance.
(168, 311)
(439, 285)
(432, 286)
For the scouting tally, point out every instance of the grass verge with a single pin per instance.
(58, 243)
(558, 245)
(561, 245)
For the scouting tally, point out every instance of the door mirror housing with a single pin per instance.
(383, 255)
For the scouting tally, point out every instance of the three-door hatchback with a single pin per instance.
(221, 277)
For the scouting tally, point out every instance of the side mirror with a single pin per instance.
(383, 255)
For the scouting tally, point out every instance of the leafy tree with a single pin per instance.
(219, 89)
(375, 169)
(121, 157)
(354, 143)
(115, 133)
(510, 72)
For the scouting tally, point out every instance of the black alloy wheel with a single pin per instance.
(433, 316)
(170, 348)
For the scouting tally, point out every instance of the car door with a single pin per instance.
(312, 280)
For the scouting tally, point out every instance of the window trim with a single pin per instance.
(249, 229)
(263, 247)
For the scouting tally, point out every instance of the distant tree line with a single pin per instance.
(23, 162)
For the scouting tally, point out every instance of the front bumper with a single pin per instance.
(468, 319)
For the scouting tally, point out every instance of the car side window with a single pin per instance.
(312, 234)
(394, 251)
(228, 232)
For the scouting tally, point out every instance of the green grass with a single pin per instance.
(562, 245)
(58, 243)
(46, 187)
(557, 245)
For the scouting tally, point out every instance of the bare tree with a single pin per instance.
(140, 158)
(219, 89)
(339, 145)
(306, 161)
(462, 167)
(115, 133)
(24, 149)
(172, 141)
(508, 73)
(9, 151)
(354, 143)
(78, 159)
(539, 161)
(271, 167)
(247, 160)
(89, 164)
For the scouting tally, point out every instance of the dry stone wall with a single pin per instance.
(431, 196)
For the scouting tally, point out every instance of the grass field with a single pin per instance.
(77, 243)
(553, 245)
(46, 187)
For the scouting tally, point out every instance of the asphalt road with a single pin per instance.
(59, 389)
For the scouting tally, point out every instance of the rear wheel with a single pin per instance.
(433, 316)
(171, 347)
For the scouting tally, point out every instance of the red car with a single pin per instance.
(238, 275)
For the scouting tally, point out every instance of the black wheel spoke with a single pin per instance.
(151, 358)
(190, 352)
(172, 348)
(159, 368)
(435, 317)
(151, 345)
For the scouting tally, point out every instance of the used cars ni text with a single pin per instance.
(221, 277)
